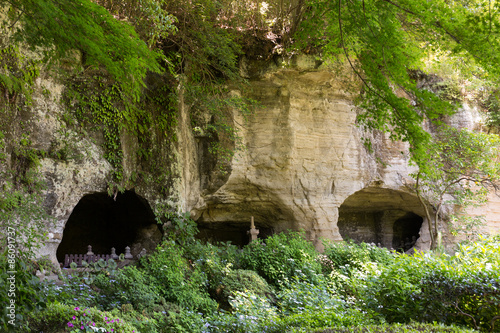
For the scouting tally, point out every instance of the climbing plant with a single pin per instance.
(106, 55)
(203, 55)
(97, 103)
(23, 226)
(22, 211)
(17, 73)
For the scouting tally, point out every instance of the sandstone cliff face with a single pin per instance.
(304, 157)
(67, 180)
(304, 167)
(77, 176)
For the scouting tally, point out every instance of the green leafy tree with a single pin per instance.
(462, 171)
(383, 41)
(58, 27)
(149, 17)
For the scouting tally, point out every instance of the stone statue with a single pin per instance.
(142, 253)
(114, 256)
(253, 232)
(128, 255)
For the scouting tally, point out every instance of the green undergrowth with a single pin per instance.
(280, 284)
(398, 328)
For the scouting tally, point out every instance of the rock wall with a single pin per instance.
(304, 156)
(73, 167)
(303, 167)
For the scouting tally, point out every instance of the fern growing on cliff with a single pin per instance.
(58, 27)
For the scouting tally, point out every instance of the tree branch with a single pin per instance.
(437, 24)
(466, 314)
(365, 82)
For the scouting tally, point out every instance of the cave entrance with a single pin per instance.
(389, 218)
(104, 222)
(406, 231)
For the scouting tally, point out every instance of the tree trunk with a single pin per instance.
(430, 222)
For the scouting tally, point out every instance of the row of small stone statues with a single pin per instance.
(91, 257)
(113, 255)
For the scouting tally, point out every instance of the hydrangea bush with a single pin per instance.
(349, 286)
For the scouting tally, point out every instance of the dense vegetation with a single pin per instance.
(386, 43)
(281, 284)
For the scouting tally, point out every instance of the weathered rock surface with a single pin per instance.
(68, 180)
(304, 167)
(304, 157)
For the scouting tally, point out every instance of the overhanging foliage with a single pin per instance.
(57, 27)
(384, 41)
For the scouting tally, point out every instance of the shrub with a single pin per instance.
(78, 287)
(182, 321)
(393, 292)
(281, 257)
(64, 318)
(215, 261)
(299, 296)
(178, 282)
(22, 288)
(251, 313)
(144, 323)
(244, 281)
(128, 285)
(349, 256)
(73, 291)
(182, 229)
(461, 289)
(467, 298)
(399, 328)
(321, 318)
(465, 287)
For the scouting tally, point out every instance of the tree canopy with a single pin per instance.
(463, 168)
(57, 27)
(386, 41)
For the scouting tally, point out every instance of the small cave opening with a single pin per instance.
(231, 220)
(236, 233)
(385, 217)
(360, 226)
(406, 231)
(105, 222)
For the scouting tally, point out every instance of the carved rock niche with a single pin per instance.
(387, 217)
(105, 222)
